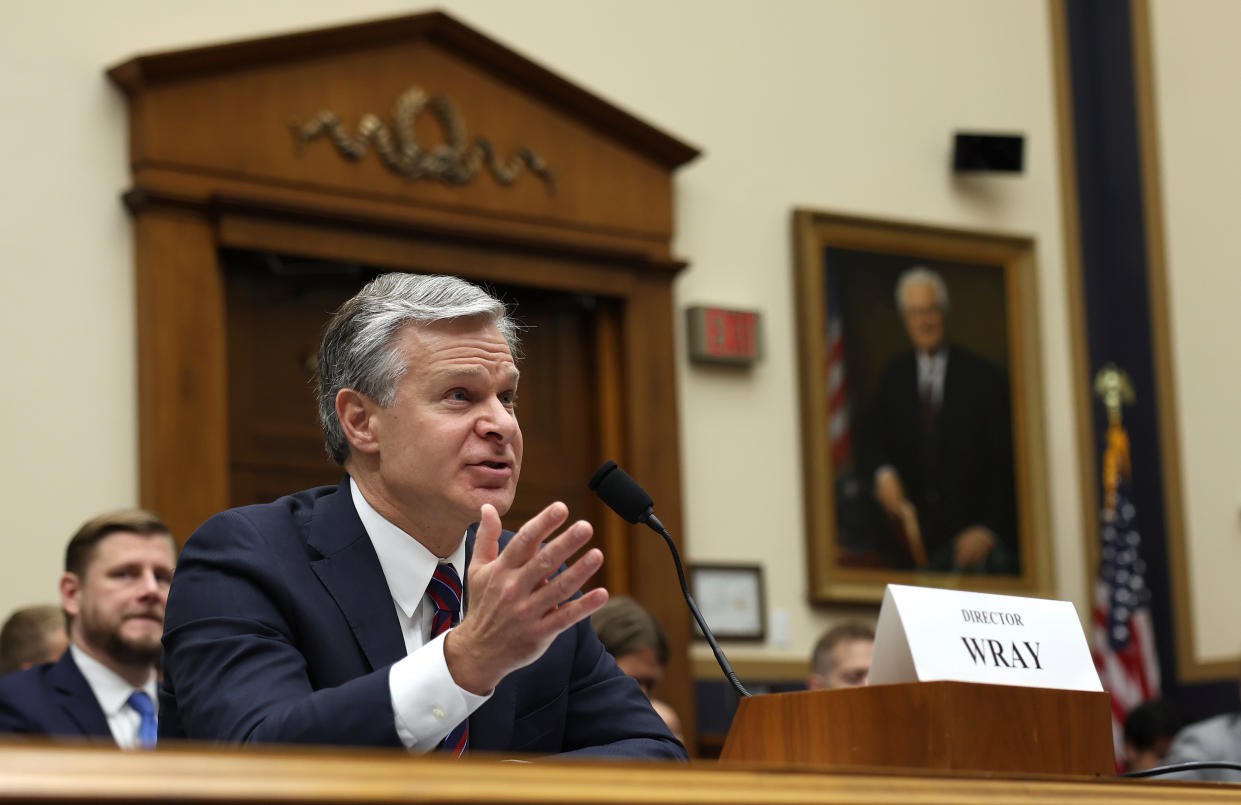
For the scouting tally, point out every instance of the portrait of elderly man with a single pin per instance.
(937, 445)
(392, 609)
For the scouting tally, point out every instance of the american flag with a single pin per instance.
(1123, 639)
(836, 388)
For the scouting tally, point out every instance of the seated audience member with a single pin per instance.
(1217, 738)
(1149, 730)
(393, 610)
(32, 636)
(638, 644)
(117, 570)
(841, 658)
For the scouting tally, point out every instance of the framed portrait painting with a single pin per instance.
(922, 414)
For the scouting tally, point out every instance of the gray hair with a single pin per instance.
(360, 349)
(919, 274)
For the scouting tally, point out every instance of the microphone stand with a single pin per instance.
(653, 523)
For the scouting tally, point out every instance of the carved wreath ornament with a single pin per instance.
(455, 161)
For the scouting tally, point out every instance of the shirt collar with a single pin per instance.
(406, 562)
(111, 691)
(932, 363)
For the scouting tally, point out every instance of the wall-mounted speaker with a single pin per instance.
(1003, 153)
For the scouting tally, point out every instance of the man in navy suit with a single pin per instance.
(938, 440)
(118, 568)
(337, 615)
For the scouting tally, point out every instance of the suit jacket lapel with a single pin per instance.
(952, 387)
(351, 573)
(908, 413)
(77, 700)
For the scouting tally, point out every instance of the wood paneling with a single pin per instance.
(45, 773)
(234, 121)
(929, 725)
(653, 459)
(182, 375)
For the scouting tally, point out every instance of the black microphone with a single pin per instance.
(625, 497)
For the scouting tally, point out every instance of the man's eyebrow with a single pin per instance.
(471, 373)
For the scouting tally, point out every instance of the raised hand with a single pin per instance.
(516, 608)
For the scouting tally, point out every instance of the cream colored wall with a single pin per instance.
(844, 106)
(1199, 126)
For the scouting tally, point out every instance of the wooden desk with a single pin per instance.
(39, 772)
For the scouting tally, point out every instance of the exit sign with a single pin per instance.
(720, 335)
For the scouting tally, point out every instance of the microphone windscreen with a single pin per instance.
(622, 493)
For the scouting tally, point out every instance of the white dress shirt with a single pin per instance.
(426, 702)
(112, 692)
(931, 370)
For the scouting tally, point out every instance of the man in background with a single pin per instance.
(1149, 730)
(938, 440)
(639, 645)
(32, 636)
(118, 567)
(1214, 739)
(841, 658)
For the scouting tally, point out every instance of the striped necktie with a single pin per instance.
(445, 593)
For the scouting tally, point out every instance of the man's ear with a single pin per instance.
(71, 594)
(356, 413)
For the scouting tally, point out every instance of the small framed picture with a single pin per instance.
(731, 599)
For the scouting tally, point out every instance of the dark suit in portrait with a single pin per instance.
(52, 699)
(281, 628)
(954, 459)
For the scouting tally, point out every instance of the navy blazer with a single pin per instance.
(52, 699)
(280, 628)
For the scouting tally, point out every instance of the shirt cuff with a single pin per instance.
(426, 703)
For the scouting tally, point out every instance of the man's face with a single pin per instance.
(450, 442)
(1143, 759)
(643, 665)
(924, 320)
(117, 605)
(851, 664)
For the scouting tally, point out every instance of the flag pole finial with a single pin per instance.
(1113, 387)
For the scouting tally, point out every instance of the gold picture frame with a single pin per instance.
(855, 546)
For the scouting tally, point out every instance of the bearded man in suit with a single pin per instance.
(118, 568)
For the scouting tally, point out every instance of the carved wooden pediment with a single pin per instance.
(419, 111)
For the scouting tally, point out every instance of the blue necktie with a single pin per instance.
(445, 593)
(147, 730)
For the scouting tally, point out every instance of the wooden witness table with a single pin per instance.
(45, 772)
